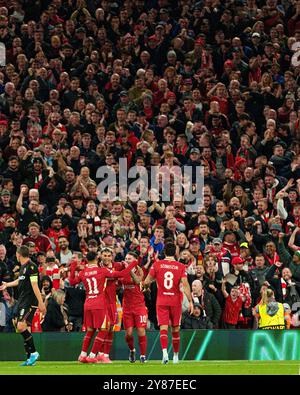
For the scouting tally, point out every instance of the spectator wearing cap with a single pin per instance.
(194, 158)
(125, 103)
(166, 19)
(194, 248)
(229, 237)
(242, 276)
(34, 170)
(222, 255)
(186, 88)
(6, 206)
(197, 320)
(272, 236)
(255, 44)
(247, 254)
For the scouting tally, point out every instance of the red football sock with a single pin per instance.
(143, 344)
(101, 348)
(130, 341)
(87, 340)
(98, 342)
(108, 342)
(164, 338)
(176, 341)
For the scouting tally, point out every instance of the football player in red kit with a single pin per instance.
(94, 279)
(110, 298)
(169, 275)
(135, 313)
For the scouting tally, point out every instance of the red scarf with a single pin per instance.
(273, 260)
(265, 216)
(38, 180)
(283, 287)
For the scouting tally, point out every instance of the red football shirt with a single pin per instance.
(95, 281)
(232, 310)
(111, 285)
(168, 275)
(133, 297)
(55, 234)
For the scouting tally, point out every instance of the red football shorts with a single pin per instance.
(95, 318)
(112, 314)
(137, 318)
(168, 315)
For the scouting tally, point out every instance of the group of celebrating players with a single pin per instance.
(99, 278)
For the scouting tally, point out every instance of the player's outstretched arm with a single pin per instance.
(9, 285)
(122, 273)
(73, 278)
(187, 291)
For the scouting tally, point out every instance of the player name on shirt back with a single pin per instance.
(89, 273)
(164, 266)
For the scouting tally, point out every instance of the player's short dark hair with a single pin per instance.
(91, 256)
(170, 249)
(132, 254)
(23, 251)
(169, 240)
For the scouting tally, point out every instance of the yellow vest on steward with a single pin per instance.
(267, 321)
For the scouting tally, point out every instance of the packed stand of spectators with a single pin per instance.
(157, 82)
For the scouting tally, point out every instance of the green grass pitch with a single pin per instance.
(155, 368)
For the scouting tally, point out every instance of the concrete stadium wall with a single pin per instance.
(195, 345)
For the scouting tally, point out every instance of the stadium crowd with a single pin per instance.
(160, 83)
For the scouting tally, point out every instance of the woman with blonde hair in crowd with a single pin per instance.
(56, 318)
(270, 314)
(182, 242)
